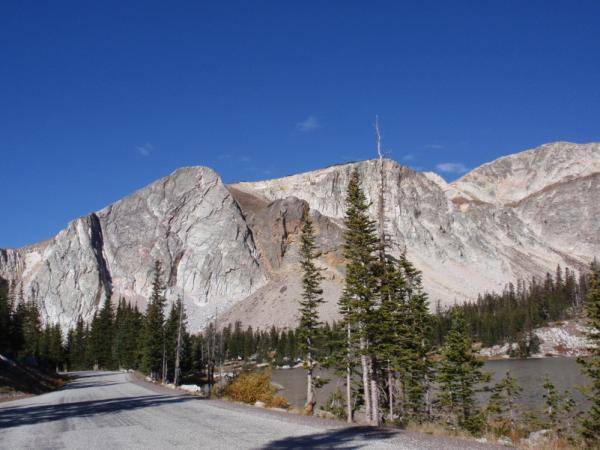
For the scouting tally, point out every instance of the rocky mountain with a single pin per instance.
(188, 220)
(231, 250)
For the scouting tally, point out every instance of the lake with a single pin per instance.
(565, 373)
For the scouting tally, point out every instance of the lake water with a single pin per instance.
(565, 373)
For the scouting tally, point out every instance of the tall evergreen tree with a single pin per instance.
(311, 299)
(172, 336)
(393, 337)
(5, 319)
(56, 350)
(591, 365)
(77, 347)
(105, 329)
(31, 328)
(416, 346)
(360, 292)
(129, 324)
(17, 317)
(342, 357)
(153, 340)
(459, 375)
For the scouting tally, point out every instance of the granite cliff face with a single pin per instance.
(233, 249)
(188, 220)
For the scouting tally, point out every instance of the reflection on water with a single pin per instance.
(565, 373)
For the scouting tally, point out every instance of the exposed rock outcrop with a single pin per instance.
(233, 249)
(188, 220)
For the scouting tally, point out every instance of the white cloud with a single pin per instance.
(435, 146)
(408, 157)
(145, 149)
(451, 167)
(310, 124)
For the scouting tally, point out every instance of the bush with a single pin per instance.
(278, 402)
(251, 387)
(336, 405)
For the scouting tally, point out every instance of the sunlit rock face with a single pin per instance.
(188, 221)
(232, 251)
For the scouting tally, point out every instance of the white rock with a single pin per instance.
(537, 437)
(188, 220)
(193, 388)
(505, 441)
(233, 249)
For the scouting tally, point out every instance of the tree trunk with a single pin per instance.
(310, 394)
(348, 380)
(365, 376)
(375, 418)
(427, 397)
(177, 375)
(391, 391)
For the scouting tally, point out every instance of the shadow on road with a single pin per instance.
(89, 384)
(345, 438)
(88, 374)
(27, 415)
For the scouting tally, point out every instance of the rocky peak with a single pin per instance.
(232, 250)
(512, 178)
(188, 220)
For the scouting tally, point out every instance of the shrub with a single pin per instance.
(278, 402)
(251, 387)
(335, 404)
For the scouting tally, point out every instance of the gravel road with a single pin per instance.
(112, 410)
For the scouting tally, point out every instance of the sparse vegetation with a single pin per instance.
(335, 404)
(252, 387)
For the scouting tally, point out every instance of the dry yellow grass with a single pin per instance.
(251, 387)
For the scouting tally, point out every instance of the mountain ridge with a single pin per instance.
(231, 249)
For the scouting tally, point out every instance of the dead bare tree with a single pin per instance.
(177, 377)
(372, 367)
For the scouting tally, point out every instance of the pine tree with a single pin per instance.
(552, 401)
(311, 299)
(78, 342)
(31, 327)
(342, 356)
(120, 330)
(172, 332)
(93, 348)
(458, 375)
(394, 337)
(56, 351)
(5, 319)
(181, 347)
(129, 324)
(153, 340)
(171, 326)
(416, 345)
(503, 403)
(591, 423)
(558, 407)
(17, 316)
(105, 336)
(358, 299)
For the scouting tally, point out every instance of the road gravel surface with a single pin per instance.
(114, 410)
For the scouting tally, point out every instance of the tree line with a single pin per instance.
(22, 335)
(511, 316)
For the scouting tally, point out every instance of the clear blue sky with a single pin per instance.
(98, 99)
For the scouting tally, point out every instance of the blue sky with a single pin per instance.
(98, 99)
